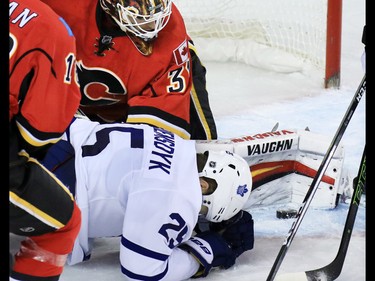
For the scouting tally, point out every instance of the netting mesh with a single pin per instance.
(297, 27)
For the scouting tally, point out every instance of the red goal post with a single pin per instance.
(279, 35)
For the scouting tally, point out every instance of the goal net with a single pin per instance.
(278, 35)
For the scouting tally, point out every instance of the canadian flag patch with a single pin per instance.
(181, 53)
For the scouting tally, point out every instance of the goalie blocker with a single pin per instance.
(283, 164)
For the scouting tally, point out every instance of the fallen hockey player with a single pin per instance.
(150, 187)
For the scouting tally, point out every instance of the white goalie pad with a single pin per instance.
(283, 164)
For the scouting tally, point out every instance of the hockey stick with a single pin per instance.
(331, 271)
(314, 185)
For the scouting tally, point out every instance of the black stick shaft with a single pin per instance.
(333, 270)
(314, 185)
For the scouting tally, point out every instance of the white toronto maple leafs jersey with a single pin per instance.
(140, 183)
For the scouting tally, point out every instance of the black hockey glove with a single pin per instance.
(211, 250)
(238, 232)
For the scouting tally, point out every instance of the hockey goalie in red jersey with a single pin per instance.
(136, 64)
(43, 98)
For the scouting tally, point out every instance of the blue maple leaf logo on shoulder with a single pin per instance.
(242, 189)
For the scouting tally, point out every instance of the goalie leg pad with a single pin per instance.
(283, 164)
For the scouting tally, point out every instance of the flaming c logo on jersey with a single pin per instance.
(181, 53)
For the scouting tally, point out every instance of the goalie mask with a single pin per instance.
(233, 178)
(142, 18)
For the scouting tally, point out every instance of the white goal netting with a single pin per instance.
(279, 35)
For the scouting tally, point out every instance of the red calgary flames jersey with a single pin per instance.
(118, 82)
(43, 94)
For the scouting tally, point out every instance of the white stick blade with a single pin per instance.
(296, 276)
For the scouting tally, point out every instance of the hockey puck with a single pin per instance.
(286, 214)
